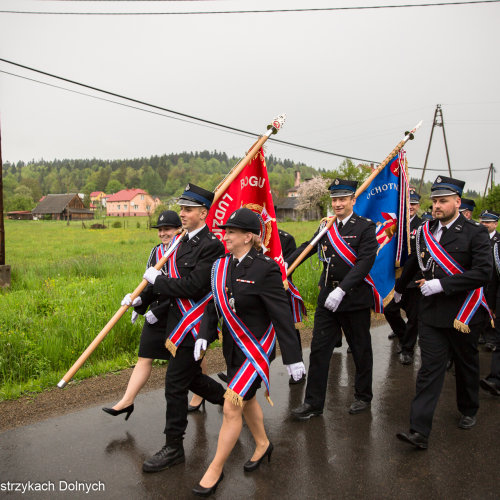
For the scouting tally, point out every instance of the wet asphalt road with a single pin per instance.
(336, 455)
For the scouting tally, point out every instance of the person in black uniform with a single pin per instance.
(392, 311)
(254, 289)
(154, 309)
(467, 206)
(411, 296)
(194, 258)
(344, 303)
(443, 327)
(491, 383)
(489, 219)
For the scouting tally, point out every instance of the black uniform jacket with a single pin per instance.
(288, 245)
(467, 242)
(359, 234)
(158, 305)
(257, 304)
(414, 225)
(194, 262)
(491, 290)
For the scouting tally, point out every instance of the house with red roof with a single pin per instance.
(130, 203)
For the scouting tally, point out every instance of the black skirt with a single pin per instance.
(152, 344)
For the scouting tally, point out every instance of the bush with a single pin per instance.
(116, 224)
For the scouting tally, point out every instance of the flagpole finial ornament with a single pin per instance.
(411, 132)
(277, 123)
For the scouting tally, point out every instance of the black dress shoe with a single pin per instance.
(391, 336)
(467, 422)
(223, 376)
(489, 386)
(358, 406)
(399, 348)
(305, 411)
(128, 410)
(405, 359)
(449, 364)
(168, 456)
(414, 438)
(250, 466)
(489, 346)
(197, 407)
(349, 350)
(206, 492)
(301, 380)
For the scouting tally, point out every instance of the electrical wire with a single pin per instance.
(184, 115)
(268, 11)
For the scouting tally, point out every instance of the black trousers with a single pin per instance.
(184, 374)
(327, 333)
(494, 375)
(436, 345)
(392, 313)
(410, 300)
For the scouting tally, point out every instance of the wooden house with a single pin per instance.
(67, 206)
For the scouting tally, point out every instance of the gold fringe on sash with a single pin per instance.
(171, 347)
(461, 327)
(269, 399)
(233, 397)
(492, 323)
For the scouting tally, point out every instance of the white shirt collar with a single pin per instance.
(240, 260)
(195, 231)
(346, 220)
(492, 233)
(449, 223)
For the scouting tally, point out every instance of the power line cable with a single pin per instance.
(261, 11)
(185, 115)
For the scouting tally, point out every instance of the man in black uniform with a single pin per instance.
(489, 220)
(344, 303)
(467, 206)
(406, 332)
(195, 256)
(443, 328)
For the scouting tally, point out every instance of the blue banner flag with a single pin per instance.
(385, 202)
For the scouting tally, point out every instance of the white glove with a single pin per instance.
(134, 317)
(296, 370)
(431, 287)
(397, 297)
(151, 274)
(334, 299)
(199, 345)
(127, 301)
(151, 318)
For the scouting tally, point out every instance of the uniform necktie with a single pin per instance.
(185, 238)
(340, 225)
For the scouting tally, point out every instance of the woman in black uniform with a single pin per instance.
(153, 335)
(249, 295)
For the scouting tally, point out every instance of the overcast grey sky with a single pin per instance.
(349, 81)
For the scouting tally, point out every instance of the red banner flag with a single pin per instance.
(251, 189)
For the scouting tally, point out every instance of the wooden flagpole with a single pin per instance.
(408, 136)
(272, 128)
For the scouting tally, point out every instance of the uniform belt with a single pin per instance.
(332, 283)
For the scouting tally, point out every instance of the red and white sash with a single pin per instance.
(349, 256)
(450, 267)
(191, 312)
(256, 351)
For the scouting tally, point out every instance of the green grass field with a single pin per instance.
(67, 282)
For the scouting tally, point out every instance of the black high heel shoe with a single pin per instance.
(128, 410)
(195, 408)
(251, 466)
(206, 492)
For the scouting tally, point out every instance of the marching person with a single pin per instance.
(454, 256)
(188, 281)
(489, 219)
(153, 335)
(406, 332)
(467, 206)
(250, 297)
(344, 302)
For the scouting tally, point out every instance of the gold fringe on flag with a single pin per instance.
(171, 347)
(461, 327)
(233, 397)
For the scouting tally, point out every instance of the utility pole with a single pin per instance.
(437, 122)
(489, 179)
(4, 270)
